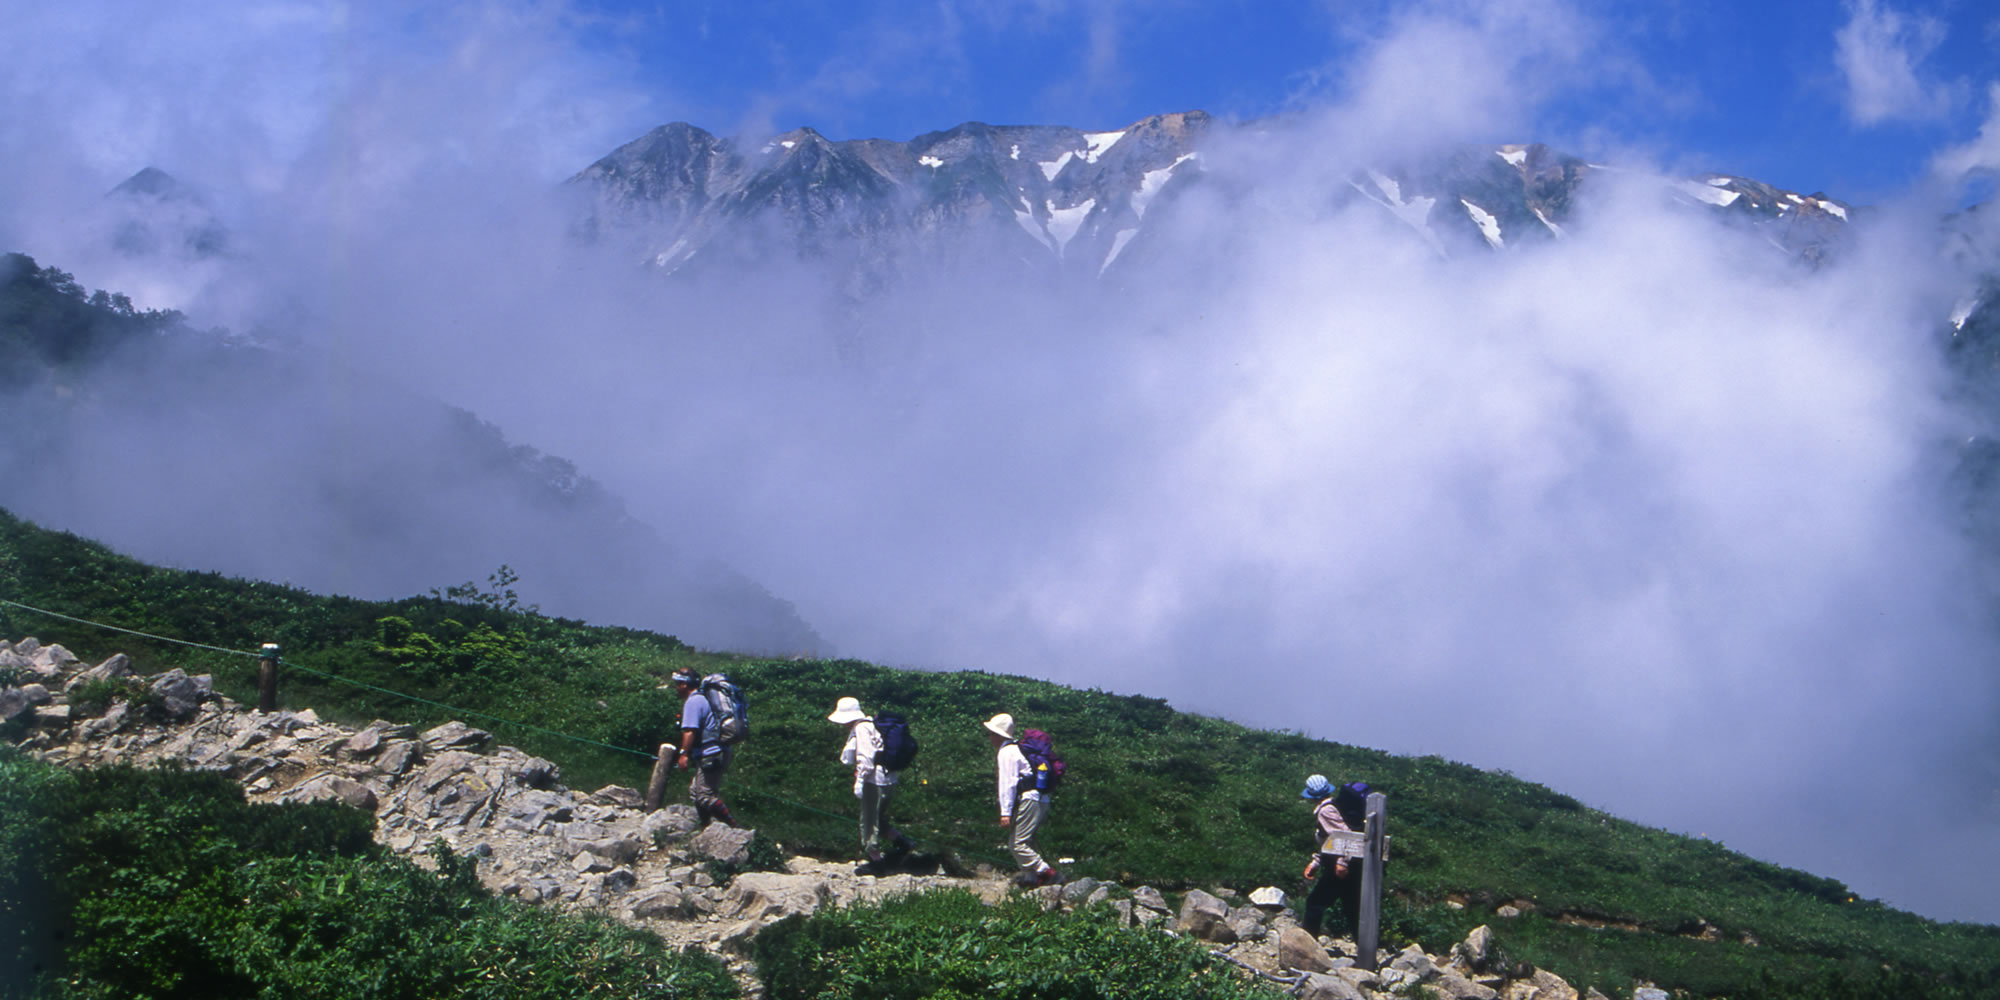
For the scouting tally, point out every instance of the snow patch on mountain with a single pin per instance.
(1099, 143)
(1064, 222)
(1489, 226)
(1711, 192)
(1118, 242)
(1151, 183)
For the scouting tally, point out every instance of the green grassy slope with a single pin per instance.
(1155, 795)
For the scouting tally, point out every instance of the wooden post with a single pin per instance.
(1368, 936)
(267, 678)
(656, 789)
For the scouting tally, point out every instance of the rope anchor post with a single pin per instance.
(267, 678)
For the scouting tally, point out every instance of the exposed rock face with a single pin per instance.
(541, 842)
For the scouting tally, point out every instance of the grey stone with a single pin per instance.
(1457, 987)
(660, 904)
(620, 880)
(116, 666)
(365, 743)
(455, 735)
(399, 756)
(530, 811)
(1298, 950)
(1323, 986)
(51, 660)
(620, 796)
(670, 822)
(586, 863)
(1269, 898)
(1150, 898)
(1650, 993)
(1205, 917)
(1541, 984)
(728, 844)
(180, 695)
(1247, 924)
(14, 704)
(765, 896)
(1475, 949)
(1078, 891)
(1412, 962)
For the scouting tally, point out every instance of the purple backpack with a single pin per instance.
(1045, 769)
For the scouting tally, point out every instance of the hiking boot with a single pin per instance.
(1048, 876)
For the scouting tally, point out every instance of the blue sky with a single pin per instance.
(1854, 98)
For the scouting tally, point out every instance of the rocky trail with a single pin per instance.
(543, 843)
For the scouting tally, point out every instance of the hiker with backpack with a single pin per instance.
(712, 723)
(877, 748)
(1335, 808)
(1028, 770)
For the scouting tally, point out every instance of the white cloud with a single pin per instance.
(1880, 54)
(1979, 154)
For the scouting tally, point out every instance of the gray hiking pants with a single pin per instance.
(1031, 808)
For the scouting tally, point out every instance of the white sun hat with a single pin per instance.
(847, 710)
(1001, 725)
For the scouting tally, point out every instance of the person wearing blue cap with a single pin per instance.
(1339, 880)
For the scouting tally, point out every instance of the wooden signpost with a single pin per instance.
(267, 678)
(1371, 846)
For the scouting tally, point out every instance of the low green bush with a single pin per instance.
(121, 883)
(950, 944)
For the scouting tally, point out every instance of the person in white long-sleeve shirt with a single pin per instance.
(873, 783)
(1022, 808)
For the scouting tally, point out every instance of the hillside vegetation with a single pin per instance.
(1154, 796)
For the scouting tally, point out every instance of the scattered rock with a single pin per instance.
(1321, 986)
(727, 844)
(1206, 917)
(1270, 898)
(1473, 951)
(1298, 950)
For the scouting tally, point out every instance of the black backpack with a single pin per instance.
(1352, 801)
(899, 748)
